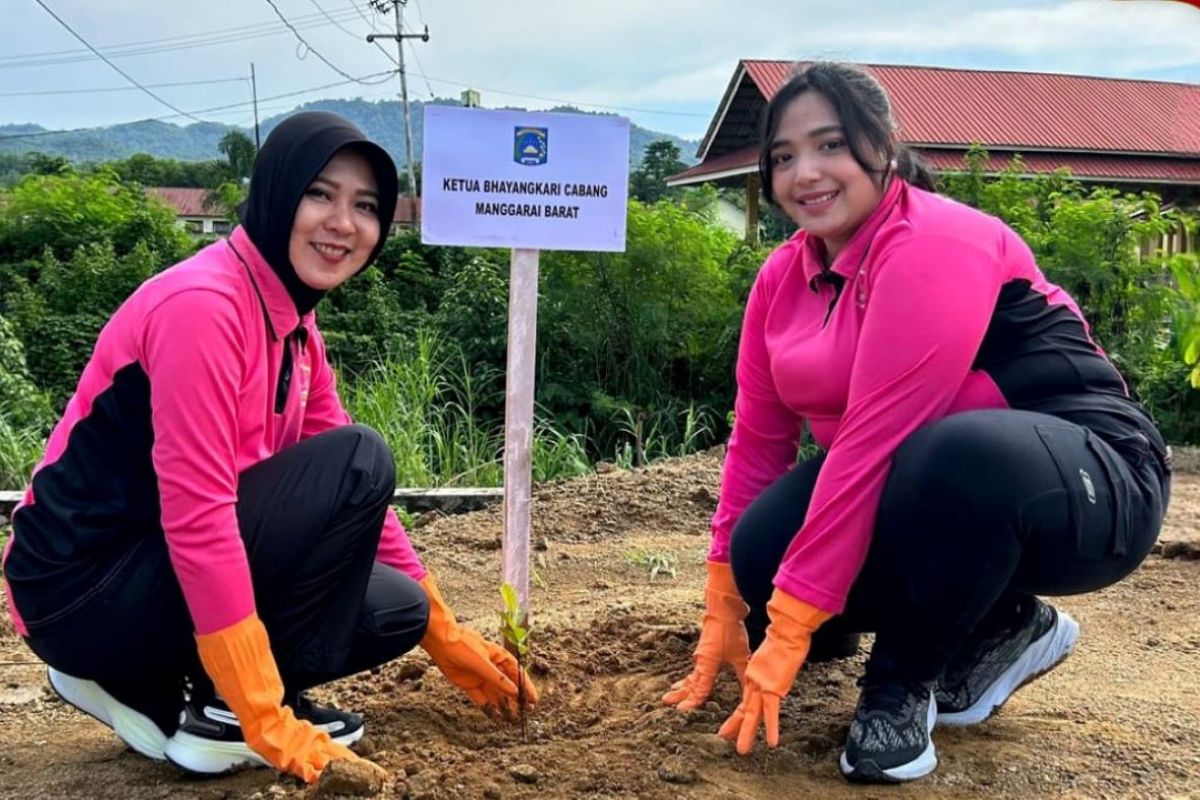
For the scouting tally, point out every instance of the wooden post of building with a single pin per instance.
(752, 188)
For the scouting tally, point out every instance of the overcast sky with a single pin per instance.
(664, 63)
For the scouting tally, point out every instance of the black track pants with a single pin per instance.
(310, 517)
(979, 509)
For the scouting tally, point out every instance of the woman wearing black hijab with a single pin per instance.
(208, 534)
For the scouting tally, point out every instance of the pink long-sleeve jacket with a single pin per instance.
(179, 397)
(941, 309)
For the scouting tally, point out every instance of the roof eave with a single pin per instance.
(710, 177)
(719, 118)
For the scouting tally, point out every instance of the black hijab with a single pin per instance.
(293, 155)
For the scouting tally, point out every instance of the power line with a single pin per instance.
(369, 20)
(337, 24)
(165, 45)
(120, 71)
(122, 88)
(421, 67)
(307, 46)
(369, 80)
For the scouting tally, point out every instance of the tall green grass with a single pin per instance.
(433, 410)
(20, 449)
(426, 401)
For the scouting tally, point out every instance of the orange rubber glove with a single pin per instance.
(722, 640)
(242, 668)
(485, 671)
(772, 670)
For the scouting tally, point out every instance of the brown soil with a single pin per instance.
(1121, 718)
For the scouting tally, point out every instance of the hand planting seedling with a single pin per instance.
(516, 634)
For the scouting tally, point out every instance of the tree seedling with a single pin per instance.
(654, 562)
(516, 634)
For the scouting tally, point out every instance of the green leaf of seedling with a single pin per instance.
(510, 598)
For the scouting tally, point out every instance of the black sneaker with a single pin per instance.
(209, 739)
(889, 737)
(988, 671)
(133, 727)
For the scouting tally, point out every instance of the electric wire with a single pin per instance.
(120, 71)
(308, 47)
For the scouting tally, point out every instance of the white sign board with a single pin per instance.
(520, 179)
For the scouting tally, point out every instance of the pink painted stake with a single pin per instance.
(518, 420)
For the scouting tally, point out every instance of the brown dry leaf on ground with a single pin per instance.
(1120, 718)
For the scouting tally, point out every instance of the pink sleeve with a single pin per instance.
(192, 351)
(766, 433)
(325, 411)
(930, 306)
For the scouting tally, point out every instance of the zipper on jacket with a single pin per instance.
(300, 337)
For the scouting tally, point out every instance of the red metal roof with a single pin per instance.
(935, 105)
(186, 202)
(1086, 166)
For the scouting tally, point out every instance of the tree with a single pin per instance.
(661, 160)
(239, 150)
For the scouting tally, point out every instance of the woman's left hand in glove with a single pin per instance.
(772, 670)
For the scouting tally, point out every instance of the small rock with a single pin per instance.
(674, 769)
(542, 544)
(422, 785)
(492, 792)
(346, 778)
(1188, 551)
(411, 670)
(712, 745)
(17, 695)
(713, 706)
(524, 773)
(605, 467)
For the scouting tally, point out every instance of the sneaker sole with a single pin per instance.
(208, 757)
(867, 771)
(1039, 658)
(134, 729)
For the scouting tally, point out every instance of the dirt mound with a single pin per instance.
(1118, 719)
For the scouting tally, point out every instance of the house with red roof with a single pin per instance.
(192, 209)
(1133, 134)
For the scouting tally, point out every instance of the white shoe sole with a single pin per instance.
(134, 728)
(919, 767)
(1039, 658)
(208, 757)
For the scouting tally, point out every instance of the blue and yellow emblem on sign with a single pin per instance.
(530, 146)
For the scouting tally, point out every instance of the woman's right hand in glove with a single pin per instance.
(722, 640)
(239, 661)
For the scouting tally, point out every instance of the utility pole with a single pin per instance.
(398, 7)
(254, 93)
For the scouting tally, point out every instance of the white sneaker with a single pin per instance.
(135, 729)
(987, 675)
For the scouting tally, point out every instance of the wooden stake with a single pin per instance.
(518, 422)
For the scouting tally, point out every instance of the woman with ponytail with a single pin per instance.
(979, 448)
(208, 535)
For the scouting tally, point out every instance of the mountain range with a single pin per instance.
(380, 120)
